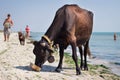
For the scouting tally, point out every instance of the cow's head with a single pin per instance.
(43, 52)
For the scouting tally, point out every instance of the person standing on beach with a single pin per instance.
(7, 26)
(27, 29)
(115, 36)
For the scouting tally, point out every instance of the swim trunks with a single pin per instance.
(7, 27)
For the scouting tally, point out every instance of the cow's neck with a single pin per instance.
(52, 33)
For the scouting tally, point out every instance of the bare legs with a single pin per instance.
(6, 37)
(27, 34)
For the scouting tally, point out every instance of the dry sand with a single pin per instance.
(15, 60)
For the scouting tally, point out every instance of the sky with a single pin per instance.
(39, 14)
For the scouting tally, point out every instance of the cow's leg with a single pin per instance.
(81, 56)
(74, 56)
(85, 55)
(61, 54)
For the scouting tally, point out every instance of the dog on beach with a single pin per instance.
(21, 38)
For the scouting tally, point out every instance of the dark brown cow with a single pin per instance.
(72, 25)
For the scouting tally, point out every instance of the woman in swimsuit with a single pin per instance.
(27, 29)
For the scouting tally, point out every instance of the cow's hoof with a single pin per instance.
(82, 67)
(86, 68)
(78, 73)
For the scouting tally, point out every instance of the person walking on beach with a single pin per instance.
(7, 26)
(27, 29)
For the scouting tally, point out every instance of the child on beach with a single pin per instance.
(7, 25)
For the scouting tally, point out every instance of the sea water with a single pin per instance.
(36, 35)
(102, 46)
(105, 47)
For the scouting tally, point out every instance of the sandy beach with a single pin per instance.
(15, 60)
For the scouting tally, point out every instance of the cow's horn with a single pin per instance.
(42, 44)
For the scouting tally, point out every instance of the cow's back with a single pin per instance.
(78, 23)
(84, 25)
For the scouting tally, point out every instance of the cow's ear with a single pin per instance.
(35, 42)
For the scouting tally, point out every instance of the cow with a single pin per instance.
(72, 25)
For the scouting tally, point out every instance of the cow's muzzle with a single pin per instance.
(35, 67)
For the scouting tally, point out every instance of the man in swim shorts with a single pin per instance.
(7, 25)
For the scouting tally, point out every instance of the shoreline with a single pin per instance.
(114, 68)
(15, 62)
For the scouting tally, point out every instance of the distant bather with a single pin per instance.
(115, 36)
